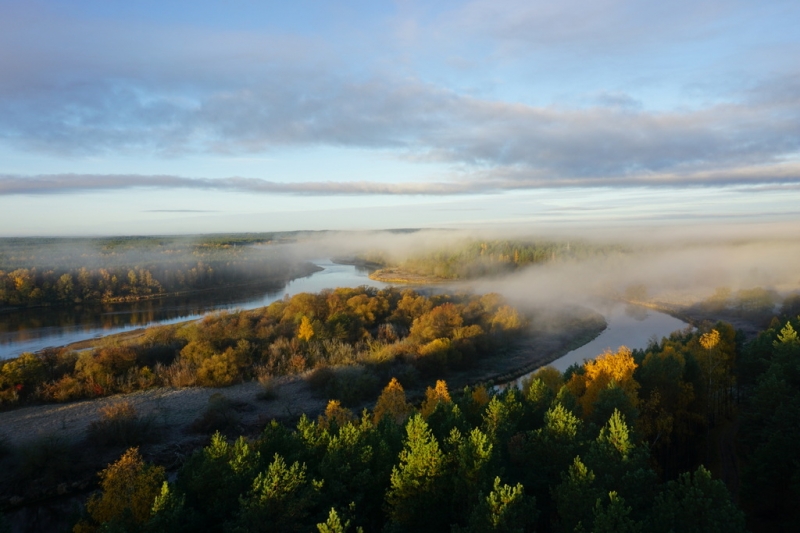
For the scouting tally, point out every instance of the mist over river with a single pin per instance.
(30, 330)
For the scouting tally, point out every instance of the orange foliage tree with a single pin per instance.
(434, 396)
(130, 487)
(608, 369)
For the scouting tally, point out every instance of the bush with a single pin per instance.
(49, 458)
(220, 415)
(179, 374)
(267, 382)
(120, 425)
(5, 446)
(352, 385)
(318, 379)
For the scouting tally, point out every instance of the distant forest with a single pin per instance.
(68, 271)
(477, 258)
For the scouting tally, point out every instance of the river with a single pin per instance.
(30, 330)
(627, 325)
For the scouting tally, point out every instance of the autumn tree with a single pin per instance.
(614, 369)
(336, 415)
(305, 330)
(433, 397)
(392, 403)
(129, 488)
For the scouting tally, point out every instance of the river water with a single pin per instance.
(627, 325)
(30, 330)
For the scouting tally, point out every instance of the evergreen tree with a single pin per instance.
(695, 503)
(415, 498)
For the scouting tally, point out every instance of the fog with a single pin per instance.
(681, 265)
(674, 264)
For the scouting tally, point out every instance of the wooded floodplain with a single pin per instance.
(631, 441)
(696, 432)
(36, 272)
(351, 338)
(626, 442)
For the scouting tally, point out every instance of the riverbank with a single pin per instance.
(302, 270)
(547, 338)
(400, 275)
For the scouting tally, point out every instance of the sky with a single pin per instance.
(171, 117)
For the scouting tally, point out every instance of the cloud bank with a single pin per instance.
(780, 176)
(75, 88)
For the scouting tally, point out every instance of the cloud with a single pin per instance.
(418, 121)
(180, 211)
(594, 27)
(77, 88)
(784, 176)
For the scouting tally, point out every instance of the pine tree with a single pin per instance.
(415, 495)
(696, 503)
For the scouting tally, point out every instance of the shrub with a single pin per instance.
(318, 379)
(66, 389)
(120, 425)
(5, 446)
(352, 385)
(179, 374)
(49, 458)
(220, 415)
(267, 382)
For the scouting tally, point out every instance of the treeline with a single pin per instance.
(567, 453)
(351, 338)
(109, 271)
(475, 258)
(756, 305)
(52, 271)
(769, 433)
(35, 286)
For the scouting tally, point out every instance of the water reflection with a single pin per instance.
(636, 312)
(34, 329)
(626, 327)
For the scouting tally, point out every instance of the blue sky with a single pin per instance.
(240, 115)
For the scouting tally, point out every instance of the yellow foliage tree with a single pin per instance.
(130, 487)
(306, 330)
(506, 319)
(549, 375)
(392, 403)
(334, 412)
(434, 396)
(480, 395)
(606, 369)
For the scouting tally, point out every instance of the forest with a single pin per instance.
(350, 338)
(471, 258)
(35, 272)
(695, 433)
